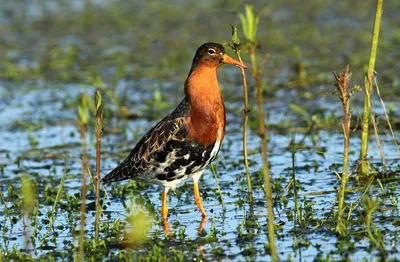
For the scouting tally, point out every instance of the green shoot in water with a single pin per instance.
(363, 170)
(82, 124)
(249, 24)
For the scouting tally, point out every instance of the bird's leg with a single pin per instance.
(197, 198)
(164, 208)
(166, 227)
(200, 229)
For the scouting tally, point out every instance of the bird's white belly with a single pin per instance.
(197, 172)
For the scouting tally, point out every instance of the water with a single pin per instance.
(57, 136)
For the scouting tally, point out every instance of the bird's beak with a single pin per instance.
(229, 60)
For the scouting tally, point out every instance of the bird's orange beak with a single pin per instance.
(229, 60)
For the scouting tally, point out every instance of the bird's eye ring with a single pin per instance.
(211, 51)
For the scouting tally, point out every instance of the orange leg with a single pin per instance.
(197, 198)
(200, 229)
(166, 227)
(164, 211)
(164, 208)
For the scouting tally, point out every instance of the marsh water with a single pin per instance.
(51, 53)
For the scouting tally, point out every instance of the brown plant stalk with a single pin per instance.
(263, 134)
(236, 47)
(342, 86)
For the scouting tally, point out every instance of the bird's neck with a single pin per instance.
(207, 112)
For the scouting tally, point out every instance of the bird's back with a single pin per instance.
(166, 155)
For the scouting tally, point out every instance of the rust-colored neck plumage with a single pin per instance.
(206, 123)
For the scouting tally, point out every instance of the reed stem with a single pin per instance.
(363, 169)
(246, 110)
(378, 142)
(263, 134)
(387, 117)
(83, 119)
(296, 213)
(214, 171)
(83, 194)
(99, 117)
(250, 22)
(342, 85)
(28, 204)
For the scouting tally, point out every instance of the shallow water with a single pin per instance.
(38, 132)
(58, 136)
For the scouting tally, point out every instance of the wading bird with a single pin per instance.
(185, 142)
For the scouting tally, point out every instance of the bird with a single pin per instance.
(187, 140)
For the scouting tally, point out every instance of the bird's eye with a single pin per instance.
(211, 51)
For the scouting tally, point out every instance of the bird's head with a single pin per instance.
(213, 55)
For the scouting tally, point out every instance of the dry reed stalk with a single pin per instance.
(246, 110)
(342, 86)
(264, 149)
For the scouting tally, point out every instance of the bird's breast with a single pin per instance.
(206, 123)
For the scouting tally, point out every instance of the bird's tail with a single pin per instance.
(121, 172)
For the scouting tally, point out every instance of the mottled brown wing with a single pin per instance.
(149, 150)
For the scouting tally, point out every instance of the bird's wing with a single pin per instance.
(151, 150)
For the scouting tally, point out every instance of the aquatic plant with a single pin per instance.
(344, 94)
(236, 48)
(296, 211)
(83, 116)
(364, 166)
(214, 172)
(28, 204)
(98, 128)
(249, 25)
(136, 235)
(53, 212)
(387, 117)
